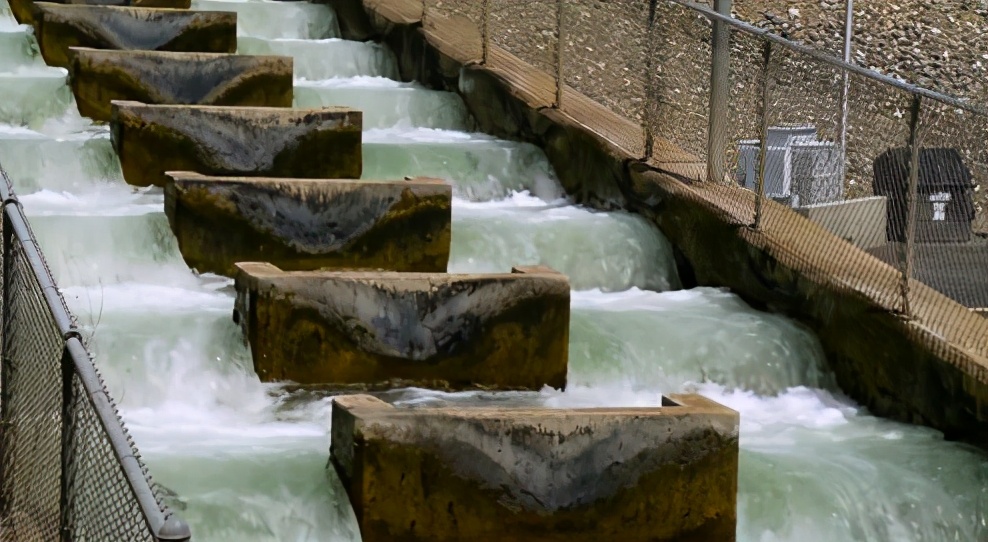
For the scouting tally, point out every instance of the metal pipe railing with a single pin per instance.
(162, 524)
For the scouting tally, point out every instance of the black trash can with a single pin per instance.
(945, 202)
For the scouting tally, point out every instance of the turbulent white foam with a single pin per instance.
(135, 297)
(274, 19)
(110, 200)
(389, 106)
(479, 168)
(279, 495)
(613, 251)
(359, 82)
(422, 134)
(335, 59)
(815, 467)
(665, 340)
(33, 94)
(90, 250)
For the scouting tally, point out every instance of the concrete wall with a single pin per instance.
(24, 10)
(235, 141)
(385, 329)
(932, 371)
(305, 224)
(475, 473)
(60, 26)
(163, 77)
(859, 221)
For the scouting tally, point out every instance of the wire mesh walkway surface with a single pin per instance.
(68, 468)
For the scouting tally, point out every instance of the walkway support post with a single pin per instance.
(846, 87)
(911, 199)
(485, 13)
(720, 87)
(763, 134)
(649, 79)
(559, 53)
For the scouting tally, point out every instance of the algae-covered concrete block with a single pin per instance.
(163, 77)
(60, 26)
(305, 224)
(667, 473)
(26, 11)
(375, 329)
(235, 141)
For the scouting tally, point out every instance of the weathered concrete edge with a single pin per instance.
(399, 225)
(953, 381)
(535, 298)
(681, 430)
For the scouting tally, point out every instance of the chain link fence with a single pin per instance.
(775, 129)
(68, 468)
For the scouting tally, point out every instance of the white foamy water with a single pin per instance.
(272, 19)
(388, 106)
(247, 460)
(614, 251)
(333, 58)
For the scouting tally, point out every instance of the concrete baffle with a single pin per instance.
(60, 26)
(306, 224)
(665, 473)
(163, 77)
(235, 141)
(385, 329)
(26, 11)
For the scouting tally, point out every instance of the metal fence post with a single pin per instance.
(559, 54)
(5, 265)
(649, 78)
(720, 81)
(911, 199)
(846, 87)
(484, 34)
(763, 146)
(68, 404)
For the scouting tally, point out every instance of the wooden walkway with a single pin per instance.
(808, 249)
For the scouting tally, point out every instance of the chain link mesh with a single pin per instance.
(837, 150)
(604, 48)
(527, 29)
(101, 504)
(807, 171)
(950, 249)
(677, 113)
(32, 399)
(69, 468)
(836, 143)
(461, 21)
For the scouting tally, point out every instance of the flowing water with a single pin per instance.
(246, 461)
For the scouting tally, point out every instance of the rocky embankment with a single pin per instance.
(938, 44)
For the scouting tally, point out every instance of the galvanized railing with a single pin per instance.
(68, 468)
(897, 171)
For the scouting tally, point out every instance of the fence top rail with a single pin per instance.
(827, 58)
(163, 525)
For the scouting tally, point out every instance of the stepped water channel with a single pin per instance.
(247, 461)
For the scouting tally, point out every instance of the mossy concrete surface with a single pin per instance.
(667, 473)
(163, 77)
(61, 26)
(25, 11)
(388, 329)
(320, 143)
(307, 224)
